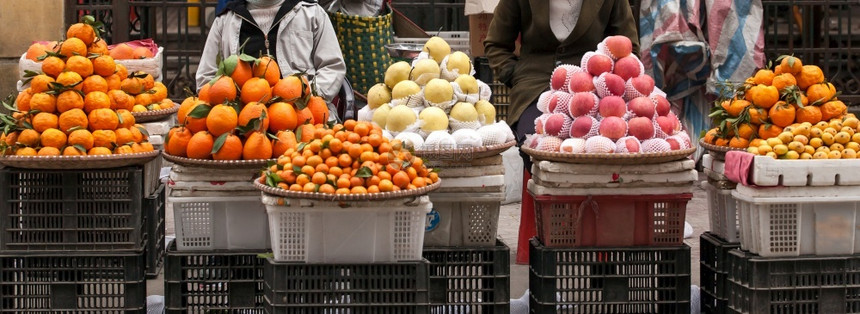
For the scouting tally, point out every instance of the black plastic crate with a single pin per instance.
(219, 281)
(347, 288)
(823, 32)
(609, 280)
(73, 282)
(501, 93)
(810, 284)
(470, 280)
(154, 206)
(71, 210)
(713, 270)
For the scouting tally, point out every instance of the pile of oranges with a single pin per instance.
(226, 122)
(772, 100)
(80, 104)
(348, 158)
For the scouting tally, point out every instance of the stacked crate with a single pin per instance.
(798, 238)
(724, 235)
(79, 240)
(221, 229)
(610, 237)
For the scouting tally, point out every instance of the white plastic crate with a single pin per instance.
(315, 231)
(220, 223)
(679, 188)
(722, 212)
(459, 41)
(152, 175)
(793, 221)
(767, 171)
(463, 219)
(590, 169)
(714, 168)
(612, 180)
(192, 174)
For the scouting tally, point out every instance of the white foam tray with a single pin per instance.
(608, 180)
(544, 190)
(181, 173)
(471, 171)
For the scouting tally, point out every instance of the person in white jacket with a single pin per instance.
(297, 33)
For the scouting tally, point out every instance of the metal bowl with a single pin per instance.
(403, 50)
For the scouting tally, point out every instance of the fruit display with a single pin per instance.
(607, 104)
(838, 138)
(786, 98)
(348, 158)
(436, 102)
(81, 103)
(247, 112)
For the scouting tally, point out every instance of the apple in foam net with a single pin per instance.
(615, 85)
(581, 126)
(559, 78)
(643, 84)
(627, 67)
(674, 143)
(581, 82)
(640, 127)
(598, 64)
(663, 106)
(612, 106)
(619, 46)
(554, 124)
(613, 128)
(581, 104)
(630, 143)
(669, 124)
(642, 107)
(555, 100)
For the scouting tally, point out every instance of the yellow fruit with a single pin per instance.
(815, 132)
(842, 137)
(774, 141)
(771, 155)
(851, 122)
(796, 146)
(816, 142)
(836, 124)
(805, 156)
(824, 149)
(853, 146)
(822, 125)
(764, 149)
(802, 130)
(849, 153)
(848, 129)
(780, 149)
(808, 149)
(801, 138)
(753, 150)
(792, 155)
(827, 138)
(836, 147)
(856, 138)
(834, 155)
(820, 155)
(786, 137)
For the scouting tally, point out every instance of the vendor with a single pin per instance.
(552, 33)
(298, 33)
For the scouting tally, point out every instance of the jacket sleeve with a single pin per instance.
(328, 59)
(622, 23)
(209, 59)
(501, 40)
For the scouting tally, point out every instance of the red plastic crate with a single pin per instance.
(611, 220)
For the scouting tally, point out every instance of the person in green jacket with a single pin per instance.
(551, 33)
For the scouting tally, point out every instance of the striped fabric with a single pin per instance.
(685, 64)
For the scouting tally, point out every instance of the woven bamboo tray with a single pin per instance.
(610, 159)
(208, 163)
(154, 115)
(78, 162)
(346, 197)
(716, 151)
(464, 154)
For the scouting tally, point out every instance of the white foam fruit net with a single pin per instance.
(658, 91)
(439, 140)
(601, 48)
(539, 121)
(509, 134)
(467, 138)
(578, 102)
(564, 131)
(484, 92)
(599, 145)
(630, 92)
(601, 87)
(443, 105)
(658, 132)
(623, 145)
(594, 130)
(585, 75)
(558, 102)
(365, 114)
(531, 140)
(543, 101)
(459, 125)
(564, 71)
(549, 143)
(604, 128)
(587, 56)
(573, 146)
(655, 145)
(451, 75)
(411, 139)
(683, 142)
(492, 134)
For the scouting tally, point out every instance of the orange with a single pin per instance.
(44, 120)
(114, 82)
(53, 138)
(73, 47)
(318, 109)
(99, 150)
(41, 83)
(120, 100)
(103, 119)
(26, 151)
(305, 116)
(221, 119)
(833, 109)
(790, 64)
(203, 93)
(811, 114)
(735, 107)
(53, 66)
(268, 69)
(290, 87)
(160, 92)
(104, 138)
(356, 181)
(257, 146)
(124, 149)
(286, 140)
(73, 118)
(49, 151)
(401, 179)
(22, 102)
(282, 116)
(35, 51)
(200, 145)
(68, 100)
(418, 182)
(69, 78)
(148, 81)
(327, 189)
(29, 137)
(820, 93)
(98, 47)
(94, 83)
(80, 64)
(133, 85)
(745, 131)
(224, 89)
(307, 133)
(242, 73)
(72, 151)
(809, 75)
(177, 141)
(195, 124)
(763, 76)
(254, 110)
(82, 138)
(230, 150)
(318, 178)
(737, 142)
(43, 102)
(121, 71)
(358, 190)
(124, 136)
(256, 89)
(142, 53)
(82, 31)
(782, 114)
(122, 52)
(126, 119)
(783, 81)
(139, 137)
(763, 96)
(96, 100)
(757, 115)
